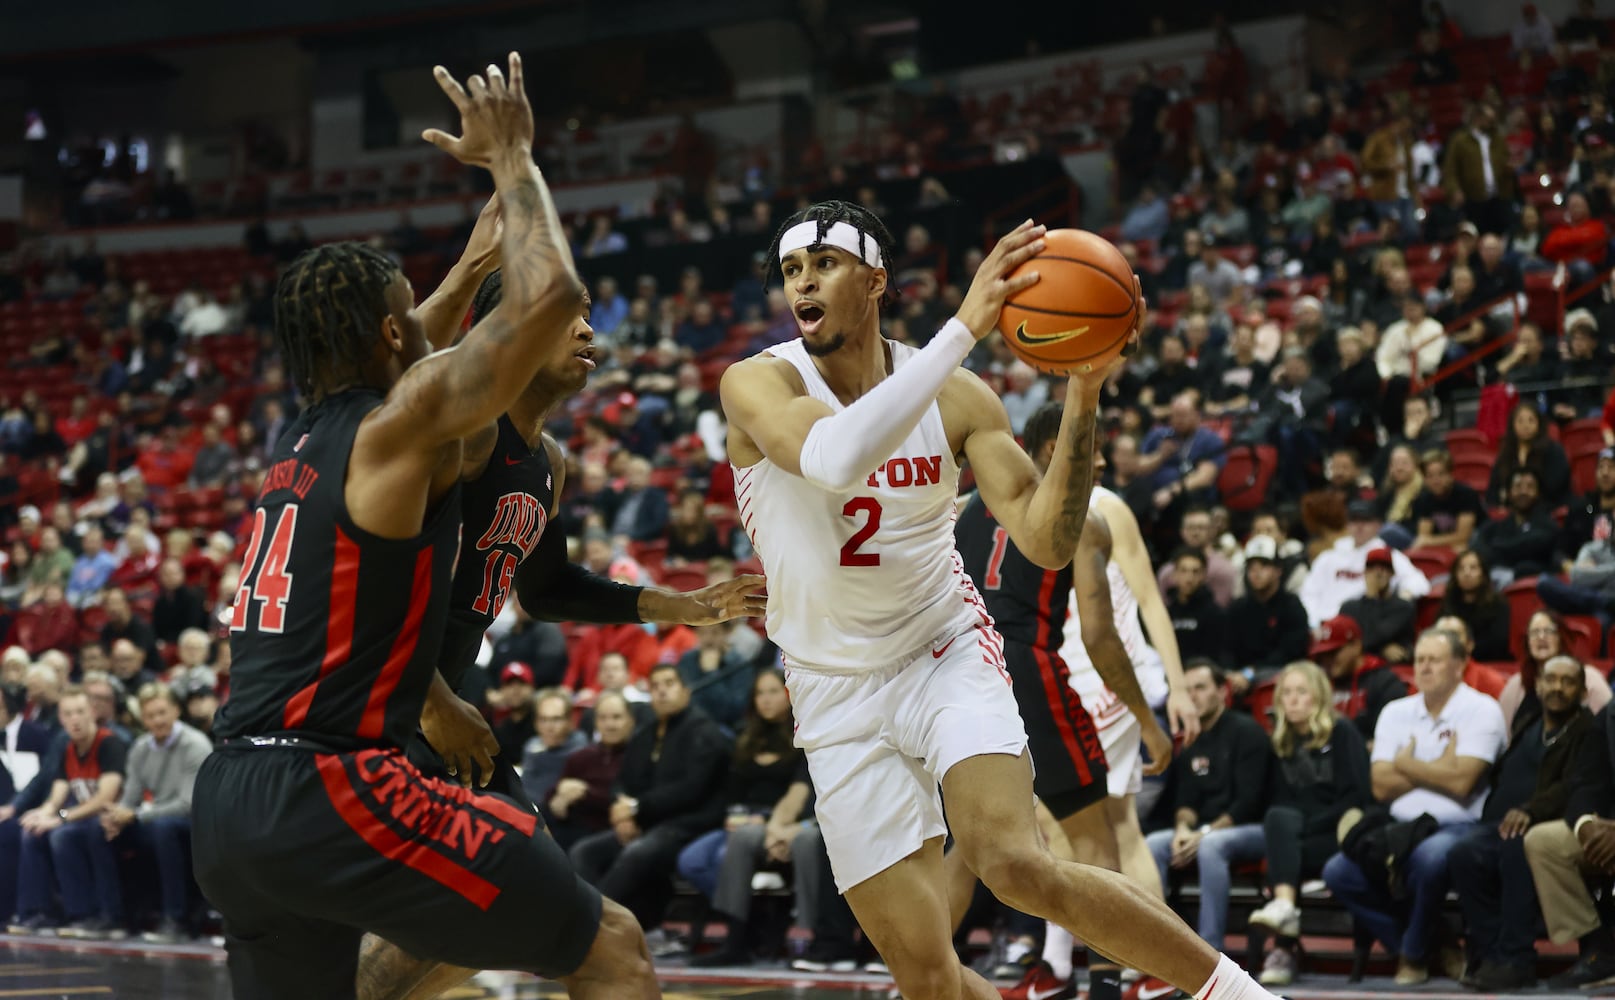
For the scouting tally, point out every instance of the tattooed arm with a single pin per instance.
(1044, 515)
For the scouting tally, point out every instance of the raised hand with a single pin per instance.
(495, 117)
(992, 285)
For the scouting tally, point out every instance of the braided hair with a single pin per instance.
(1042, 427)
(329, 306)
(868, 224)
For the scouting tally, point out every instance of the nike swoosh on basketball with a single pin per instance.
(512, 460)
(1036, 339)
(937, 653)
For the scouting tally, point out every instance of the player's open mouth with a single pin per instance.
(587, 357)
(809, 316)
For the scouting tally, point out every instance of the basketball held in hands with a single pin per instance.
(1082, 311)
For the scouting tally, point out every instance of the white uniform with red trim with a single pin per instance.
(894, 668)
(1119, 730)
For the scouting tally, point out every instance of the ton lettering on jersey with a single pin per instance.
(900, 472)
(519, 520)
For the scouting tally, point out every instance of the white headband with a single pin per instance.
(841, 235)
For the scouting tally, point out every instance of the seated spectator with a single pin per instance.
(1147, 219)
(52, 563)
(50, 624)
(1320, 771)
(1488, 680)
(109, 703)
(1584, 371)
(43, 690)
(1530, 785)
(577, 804)
(1234, 379)
(703, 330)
(1294, 410)
(1446, 512)
(1267, 627)
(1197, 621)
(1386, 619)
(1545, 638)
(1531, 33)
(613, 676)
(1225, 222)
(63, 837)
(139, 567)
(1221, 788)
(1215, 273)
(669, 791)
(513, 709)
(91, 569)
(1415, 335)
(555, 740)
(718, 674)
(539, 645)
(155, 805)
(1581, 241)
(1338, 574)
(1398, 490)
(690, 536)
(1521, 543)
(1181, 459)
(1220, 576)
(1432, 751)
(178, 607)
(603, 239)
(1526, 363)
(1418, 432)
(608, 309)
(216, 460)
(1526, 446)
(1173, 374)
(1472, 597)
(1363, 683)
(767, 789)
(642, 510)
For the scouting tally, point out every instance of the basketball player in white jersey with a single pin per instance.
(846, 449)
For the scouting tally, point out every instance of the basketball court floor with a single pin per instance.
(55, 970)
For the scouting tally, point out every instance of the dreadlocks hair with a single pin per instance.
(868, 224)
(1042, 427)
(328, 311)
(488, 295)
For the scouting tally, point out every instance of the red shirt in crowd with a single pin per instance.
(1587, 240)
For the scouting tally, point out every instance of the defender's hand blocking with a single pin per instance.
(742, 597)
(495, 117)
(992, 284)
(460, 735)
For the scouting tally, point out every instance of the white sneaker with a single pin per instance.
(767, 882)
(1280, 916)
(1278, 969)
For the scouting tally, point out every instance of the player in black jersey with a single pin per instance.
(310, 825)
(1029, 604)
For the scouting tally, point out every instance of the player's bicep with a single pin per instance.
(763, 405)
(1004, 472)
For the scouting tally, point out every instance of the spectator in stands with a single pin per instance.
(1431, 755)
(63, 835)
(1472, 597)
(138, 568)
(603, 239)
(1529, 785)
(1181, 459)
(1364, 682)
(178, 607)
(1416, 334)
(1339, 574)
(1496, 275)
(1546, 638)
(1147, 220)
(1589, 587)
(1584, 371)
(108, 702)
(1388, 166)
(577, 803)
(1221, 796)
(609, 309)
(155, 806)
(1267, 627)
(1293, 407)
(1024, 394)
(1486, 679)
(1354, 388)
(1532, 32)
(669, 791)
(50, 624)
(513, 709)
(1446, 511)
(1214, 272)
(1387, 619)
(1197, 620)
(1235, 378)
(1476, 172)
(691, 537)
(128, 664)
(1522, 542)
(703, 330)
(1397, 492)
(1584, 30)
(593, 495)
(1581, 241)
(555, 739)
(636, 429)
(215, 460)
(1342, 474)
(1592, 515)
(1172, 376)
(52, 563)
(1220, 576)
(718, 675)
(1467, 329)
(1417, 432)
(1432, 64)
(767, 775)
(1225, 222)
(43, 687)
(642, 511)
(1320, 771)
(1526, 363)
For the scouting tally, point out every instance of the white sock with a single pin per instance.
(1230, 982)
(1057, 944)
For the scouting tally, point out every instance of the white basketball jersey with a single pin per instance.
(1100, 701)
(868, 578)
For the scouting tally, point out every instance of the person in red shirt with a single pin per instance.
(1581, 241)
(78, 424)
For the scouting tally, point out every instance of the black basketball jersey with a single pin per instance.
(336, 631)
(505, 511)
(1028, 603)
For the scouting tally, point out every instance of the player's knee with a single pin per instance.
(619, 953)
(1013, 874)
(924, 977)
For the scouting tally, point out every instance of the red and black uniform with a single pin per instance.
(310, 827)
(1028, 604)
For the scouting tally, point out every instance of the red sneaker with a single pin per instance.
(1150, 988)
(1039, 983)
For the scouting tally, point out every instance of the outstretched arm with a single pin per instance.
(444, 310)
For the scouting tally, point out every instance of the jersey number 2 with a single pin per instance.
(994, 577)
(501, 567)
(270, 584)
(850, 556)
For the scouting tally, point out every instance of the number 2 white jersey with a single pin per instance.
(1085, 679)
(868, 578)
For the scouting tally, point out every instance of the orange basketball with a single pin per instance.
(1081, 312)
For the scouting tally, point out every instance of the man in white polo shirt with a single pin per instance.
(1431, 754)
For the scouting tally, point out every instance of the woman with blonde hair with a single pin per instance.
(1402, 485)
(1322, 772)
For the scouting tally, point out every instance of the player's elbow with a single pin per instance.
(1049, 553)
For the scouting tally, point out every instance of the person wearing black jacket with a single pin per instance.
(1220, 782)
(1197, 621)
(1363, 684)
(1530, 785)
(669, 791)
(1320, 771)
(1523, 540)
(1589, 514)
(1387, 620)
(1561, 851)
(1267, 627)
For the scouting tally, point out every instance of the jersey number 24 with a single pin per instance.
(267, 582)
